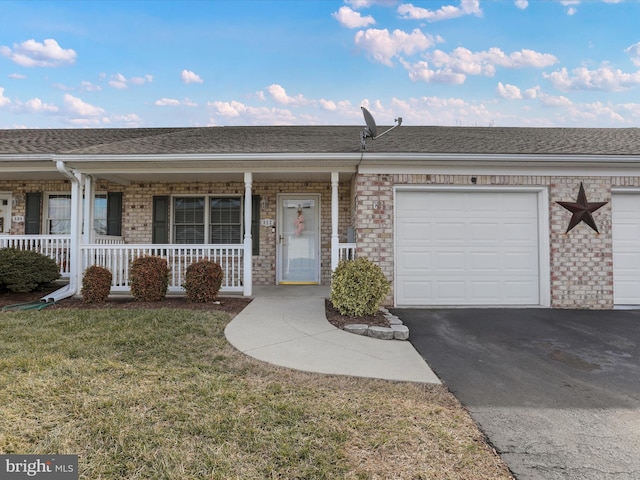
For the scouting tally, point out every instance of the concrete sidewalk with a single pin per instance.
(287, 326)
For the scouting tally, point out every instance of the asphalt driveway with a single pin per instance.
(557, 392)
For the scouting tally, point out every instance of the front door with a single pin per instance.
(298, 239)
(5, 213)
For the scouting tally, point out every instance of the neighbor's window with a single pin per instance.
(216, 220)
(58, 220)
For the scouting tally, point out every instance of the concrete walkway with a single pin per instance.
(287, 326)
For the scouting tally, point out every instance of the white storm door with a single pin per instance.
(298, 239)
(625, 221)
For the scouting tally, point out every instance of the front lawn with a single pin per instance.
(140, 393)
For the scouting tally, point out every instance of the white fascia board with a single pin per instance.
(468, 164)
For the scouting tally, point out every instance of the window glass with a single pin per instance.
(226, 215)
(100, 214)
(189, 220)
(59, 215)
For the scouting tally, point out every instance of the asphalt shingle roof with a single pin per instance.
(321, 139)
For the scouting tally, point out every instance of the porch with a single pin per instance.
(112, 253)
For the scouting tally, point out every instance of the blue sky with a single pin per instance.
(542, 63)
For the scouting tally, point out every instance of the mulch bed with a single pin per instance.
(231, 305)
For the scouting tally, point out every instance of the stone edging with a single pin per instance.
(397, 330)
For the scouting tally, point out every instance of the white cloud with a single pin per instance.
(245, 114)
(509, 92)
(521, 4)
(328, 105)
(4, 100)
(532, 93)
(554, 101)
(634, 52)
(35, 54)
(190, 77)
(141, 80)
(420, 71)
(118, 81)
(121, 82)
(352, 19)
(17, 76)
(604, 79)
(36, 105)
(383, 46)
(279, 94)
(467, 7)
(90, 87)
(453, 68)
(79, 107)
(167, 102)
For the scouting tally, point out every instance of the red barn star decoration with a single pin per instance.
(582, 210)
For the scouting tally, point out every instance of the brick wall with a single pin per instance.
(137, 212)
(581, 262)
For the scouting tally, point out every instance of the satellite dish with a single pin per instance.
(371, 130)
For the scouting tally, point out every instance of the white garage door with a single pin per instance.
(467, 248)
(625, 220)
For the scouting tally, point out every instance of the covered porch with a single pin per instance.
(179, 208)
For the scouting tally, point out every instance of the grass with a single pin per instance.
(161, 394)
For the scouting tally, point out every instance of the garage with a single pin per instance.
(468, 247)
(625, 219)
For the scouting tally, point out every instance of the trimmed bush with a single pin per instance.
(96, 284)
(149, 278)
(26, 270)
(358, 287)
(202, 281)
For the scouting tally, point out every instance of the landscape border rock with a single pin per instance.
(397, 331)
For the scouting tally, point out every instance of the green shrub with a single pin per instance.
(96, 284)
(149, 278)
(358, 287)
(26, 270)
(202, 281)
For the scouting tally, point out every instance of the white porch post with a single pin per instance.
(75, 259)
(248, 264)
(89, 195)
(335, 178)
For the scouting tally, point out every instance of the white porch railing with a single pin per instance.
(118, 257)
(53, 246)
(346, 251)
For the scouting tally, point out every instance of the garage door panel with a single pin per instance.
(447, 262)
(625, 219)
(416, 263)
(446, 232)
(482, 249)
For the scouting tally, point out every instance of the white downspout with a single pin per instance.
(75, 259)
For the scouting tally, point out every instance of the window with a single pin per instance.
(216, 220)
(58, 221)
(58, 214)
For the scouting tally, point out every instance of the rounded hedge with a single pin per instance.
(149, 278)
(358, 287)
(203, 280)
(26, 270)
